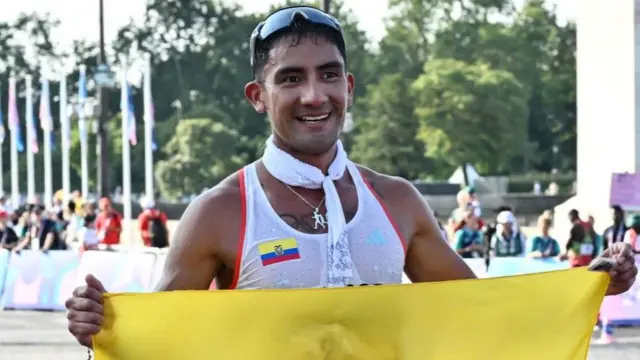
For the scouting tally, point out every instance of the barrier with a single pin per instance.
(4, 262)
(119, 271)
(33, 280)
(520, 266)
(623, 309)
(40, 281)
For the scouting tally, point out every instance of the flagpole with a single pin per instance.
(126, 151)
(15, 128)
(66, 135)
(148, 130)
(45, 121)
(31, 138)
(82, 125)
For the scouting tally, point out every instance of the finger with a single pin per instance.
(80, 304)
(80, 330)
(88, 292)
(625, 266)
(93, 282)
(85, 317)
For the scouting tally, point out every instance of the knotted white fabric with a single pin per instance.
(294, 172)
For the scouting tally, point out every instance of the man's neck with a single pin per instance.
(321, 161)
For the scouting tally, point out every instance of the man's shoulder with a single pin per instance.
(220, 200)
(387, 184)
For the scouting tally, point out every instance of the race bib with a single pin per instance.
(586, 249)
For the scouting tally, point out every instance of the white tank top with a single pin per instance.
(274, 255)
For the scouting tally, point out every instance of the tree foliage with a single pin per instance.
(489, 82)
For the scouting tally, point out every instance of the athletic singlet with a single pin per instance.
(273, 255)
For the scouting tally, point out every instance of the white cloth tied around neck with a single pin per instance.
(294, 172)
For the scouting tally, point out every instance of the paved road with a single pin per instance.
(43, 335)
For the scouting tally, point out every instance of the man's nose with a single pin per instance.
(313, 94)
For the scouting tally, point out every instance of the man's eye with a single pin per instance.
(291, 79)
(330, 75)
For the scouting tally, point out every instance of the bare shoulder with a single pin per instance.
(215, 209)
(393, 189)
(205, 233)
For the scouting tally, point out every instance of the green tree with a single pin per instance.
(202, 154)
(470, 113)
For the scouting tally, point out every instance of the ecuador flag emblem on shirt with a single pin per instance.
(276, 251)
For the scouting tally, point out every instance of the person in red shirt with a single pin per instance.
(153, 225)
(108, 223)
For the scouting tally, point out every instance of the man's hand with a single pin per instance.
(624, 273)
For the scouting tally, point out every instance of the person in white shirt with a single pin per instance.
(88, 235)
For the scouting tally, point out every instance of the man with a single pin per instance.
(8, 237)
(266, 226)
(108, 223)
(615, 233)
(153, 225)
(581, 247)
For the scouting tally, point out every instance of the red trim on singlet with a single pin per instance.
(387, 213)
(243, 229)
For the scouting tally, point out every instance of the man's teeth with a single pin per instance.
(314, 118)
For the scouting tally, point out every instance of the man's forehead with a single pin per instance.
(306, 52)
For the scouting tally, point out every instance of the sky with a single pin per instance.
(79, 18)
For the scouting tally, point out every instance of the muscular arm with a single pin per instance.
(429, 256)
(194, 258)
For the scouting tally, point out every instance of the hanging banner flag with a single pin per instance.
(14, 117)
(133, 138)
(498, 319)
(34, 145)
(149, 106)
(82, 101)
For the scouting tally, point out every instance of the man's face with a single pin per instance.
(617, 216)
(306, 93)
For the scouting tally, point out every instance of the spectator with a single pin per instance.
(8, 237)
(153, 225)
(468, 240)
(108, 223)
(508, 240)
(43, 233)
(631, 236)
(467, 200)
(615, 232)
(581, 247)
(88, 235)
(543, 246)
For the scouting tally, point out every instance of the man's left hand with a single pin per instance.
(623, 274)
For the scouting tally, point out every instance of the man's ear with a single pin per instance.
(351, 85)
(253, 93)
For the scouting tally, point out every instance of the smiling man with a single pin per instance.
(303, 215)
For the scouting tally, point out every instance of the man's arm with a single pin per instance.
(194, 257)
(429, 257)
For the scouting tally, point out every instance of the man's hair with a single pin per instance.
(574, 213)
(298, 31)
(617, 208)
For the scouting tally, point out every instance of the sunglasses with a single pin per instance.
(283, 19)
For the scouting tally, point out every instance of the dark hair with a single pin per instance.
(574, 213)
(88, 219)
(298, 31)
(617, 208)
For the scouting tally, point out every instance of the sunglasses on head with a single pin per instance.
(283, 19)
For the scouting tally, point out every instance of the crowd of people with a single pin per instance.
(472, 238)
(74, 224)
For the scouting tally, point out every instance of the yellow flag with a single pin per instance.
(549, 315)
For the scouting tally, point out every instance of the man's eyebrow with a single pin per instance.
(330, 65)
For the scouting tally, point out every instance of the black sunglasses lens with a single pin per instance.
(283, 18)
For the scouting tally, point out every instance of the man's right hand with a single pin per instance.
(85, 312)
